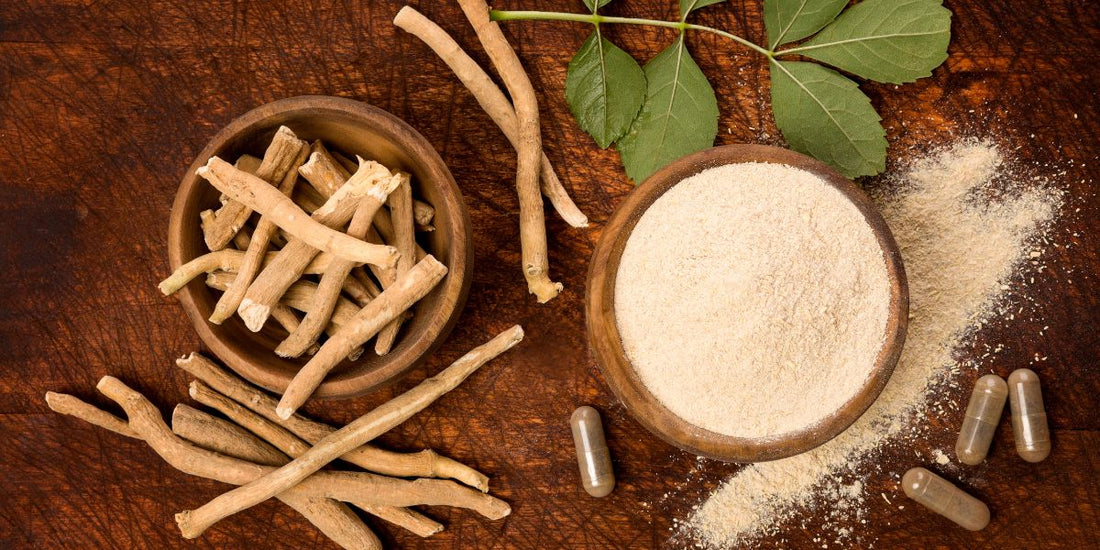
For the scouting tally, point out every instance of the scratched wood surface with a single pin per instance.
(103, 105)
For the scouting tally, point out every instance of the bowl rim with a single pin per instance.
(604, 338)
(456, 284)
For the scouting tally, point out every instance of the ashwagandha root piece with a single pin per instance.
(290, 321)
(269, 202)
(280, 157)
(292, 259)
(228, 260)
(491, 99)
(425, 463)
(201, 429)
(367, 322)
(333, 518)
(532, 226)
(334, 278)
(192, 523)
(423, 213)
(298, 297)
(73, 406)
(323, 172)
(403, 218)
(238, 443)
(257, 248)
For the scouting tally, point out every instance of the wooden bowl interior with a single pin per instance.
(352, 128)
(603, 331)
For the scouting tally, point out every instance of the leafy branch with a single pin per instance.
(668, 109)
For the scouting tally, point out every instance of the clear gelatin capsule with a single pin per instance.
(944, 498)
(982, 416)
(593, 456)
(1029, 418)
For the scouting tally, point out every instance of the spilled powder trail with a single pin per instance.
(960, 247)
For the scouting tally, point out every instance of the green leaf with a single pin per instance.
(679, 116)
(605, 88)
(592, 5)
(895, 41)
(790, 20)
(688, 6)
(825, 115)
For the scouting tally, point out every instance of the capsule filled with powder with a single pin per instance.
(944, 498)
(593, 456)
(983, 413)
(1029, 417)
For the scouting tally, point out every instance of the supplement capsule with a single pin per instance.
(942, 497)
(982, 415)
(593, 457)
(1029, 418)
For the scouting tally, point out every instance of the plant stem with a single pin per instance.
(596, 19)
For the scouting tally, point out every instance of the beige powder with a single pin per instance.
(961, 251)
(752, 299)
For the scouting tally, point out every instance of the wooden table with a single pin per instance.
(104, 104)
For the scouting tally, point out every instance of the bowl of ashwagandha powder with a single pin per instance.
(747, 303)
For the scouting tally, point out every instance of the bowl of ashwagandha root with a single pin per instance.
(320, 247)
(747, 303)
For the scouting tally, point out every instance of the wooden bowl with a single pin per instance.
(351, 127)
(603, 331)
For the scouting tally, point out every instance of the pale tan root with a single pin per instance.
(368, 321)
(423, 213)
(323, 172)
(290, 321)
(73, 406)
(532, 226)
(365, 428)
(242, 239)
(292, 259)
(334, 519)
(257, 247)
(239, 443)
(298, 297)
(491, 99)
(335, 277)
(279, 158)
(403, 221)
(425, 463)
(282, 211)
(365, 287)
(227, 438)
(228, 260)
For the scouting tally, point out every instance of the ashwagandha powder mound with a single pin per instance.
(962, 246)
(752, 299)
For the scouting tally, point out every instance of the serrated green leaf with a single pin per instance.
(825, 115)
(592, 5)
(679, 116)
(790, 20)
(895, 41)
(688, 6)
(605, 88)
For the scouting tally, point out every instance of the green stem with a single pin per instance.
(596, 19)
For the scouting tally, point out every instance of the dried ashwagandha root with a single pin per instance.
(228, 260)
(367, 427)
(233, 397)
(491, 99)
(232, 440)
(268, 201)
(334, 278)
(257, 247)
(279, 158)
(291, 261)
(393, 301)
(404, 220)
(532, 225)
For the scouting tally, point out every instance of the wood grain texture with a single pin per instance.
(104, 104)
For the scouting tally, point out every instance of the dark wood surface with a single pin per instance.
(104, 104)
